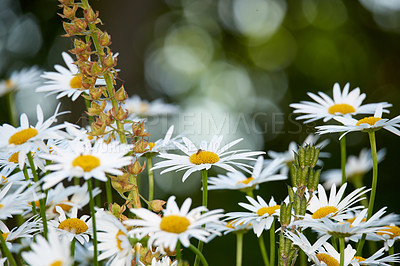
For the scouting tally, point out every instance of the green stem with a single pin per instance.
(76, 181)
(73, 251)
(303, 258)
(263, 250)
(358, 183)
(198, 255)
(391, 252)
(93, 213)
(25, 171)
(7, 251)
(204, 176)
(109, 190)
(239, 248)
(12, 112)
(87, 103)
(41, 201)
(341, 243)
(343, 158)
(151, 176)
(178, 251)
(272, 243)
(250, 193)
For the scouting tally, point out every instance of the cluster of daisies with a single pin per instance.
(46, 188)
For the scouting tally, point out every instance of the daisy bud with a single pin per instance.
(296, 204)
(315, 159)
(303, 206)
(105, 39)
(157, 205)
(291, 193)
(293, 175)
(314, 184)
(285, 214)
(310, 155)
(302, 157)
(303, 176)
(121, 94)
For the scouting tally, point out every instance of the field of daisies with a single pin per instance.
(55, 174)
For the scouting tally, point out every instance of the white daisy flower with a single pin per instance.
(26, 230)
(65, 82)
(261, 214)
(288, 155)
(300, 240)
(16, 202)
(238, 181)
(389, 234)
(66, 198)
(164, 261)
(162, 145)
(375, 122)
(349, 228)
(84, 254)
(204, 157)
(176, 224)
(26, 78)
(17, 179)
(356, 167)
(335, 207)
(143, 108)
(343, 104)
(55, 251)
(72, 227)
(327, 255)
(376, 259)
(113, 241)
(27, 138)
(83, 160)
(228, 227)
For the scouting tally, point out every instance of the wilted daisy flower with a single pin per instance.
(327, 255)
(175, 224)
(238, 181)
(343, 104)
(65, 82)
(55, 251)
(371, 123)
(27, 78)
(335, 207)
(26, 230)
(113, 240)
(16, 202)
(356, 168)
(66, 198)
(376, 260)
(83, 160)
(143, 108)
(261, 214)
(204, 157)
(27, 138)
(288, 155)
(72, 227)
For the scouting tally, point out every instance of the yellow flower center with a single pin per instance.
(270, 210)
(328, 259)
(73, 225)
(22, 136)
(9, 84)
(174, 224)
(143, 108)
(1, 205)
(4, 179)
(391, 230)
(76, 82)
(324, 211)
(4, 235)
(57, 263)
(86, 162)
(118, 240)
(204, 157)
(358, 258)
(246, 181)
(342, 108)
(13, 158)
(151, 145)
(351, 220)
(65, 207)
(368, 120)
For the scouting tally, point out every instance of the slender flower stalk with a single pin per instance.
(178, 251)
(12, 112)
(92, 212)
(109, 190)
(204, 175)
(151, 176)
(343, 158)
(272, 243)
(73, 251)
(41, 201)
(7, 252)
(239, 248)
(341, 244)
(263, 250)
(198, 255)
(97, 200)
(25, 171)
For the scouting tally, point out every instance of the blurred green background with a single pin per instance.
(233, 66)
